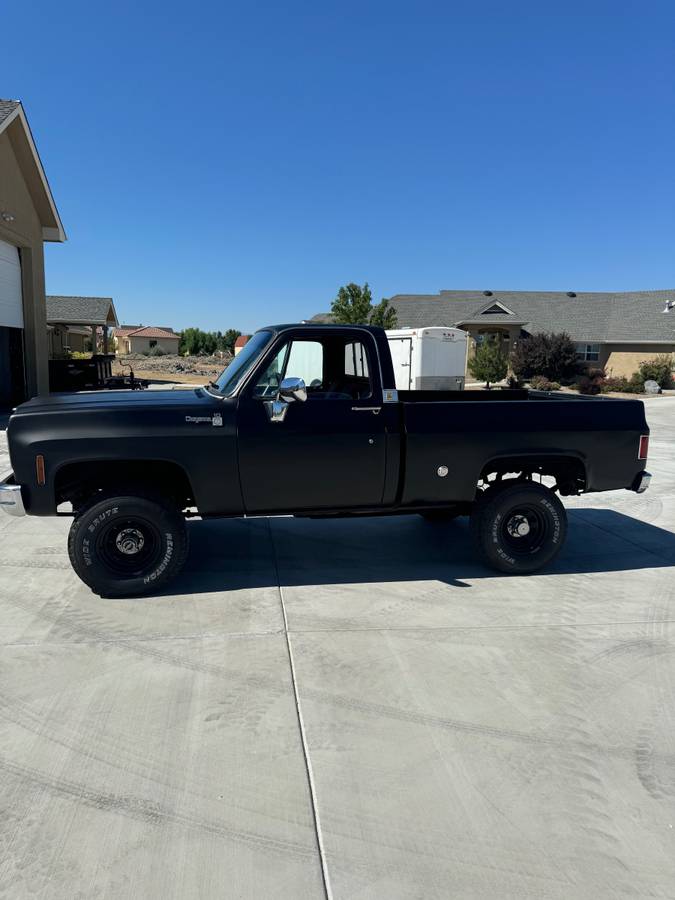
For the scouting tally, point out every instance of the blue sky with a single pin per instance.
(230, 165)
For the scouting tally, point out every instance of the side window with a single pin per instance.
(268, 383)
(356, 377)
(299, 359)
(306, 361)
(356, 362)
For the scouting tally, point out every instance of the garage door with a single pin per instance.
(11, 307)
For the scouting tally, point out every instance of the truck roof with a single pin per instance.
(321, 326)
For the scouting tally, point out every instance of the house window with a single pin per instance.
(153, 344)
(588, 352)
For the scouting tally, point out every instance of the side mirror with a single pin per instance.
(292, 389)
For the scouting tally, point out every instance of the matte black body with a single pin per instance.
(328, 456)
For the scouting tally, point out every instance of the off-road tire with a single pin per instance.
(105, 532)
(498, 516)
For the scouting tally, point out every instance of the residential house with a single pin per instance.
(144, 338)
(76, 324)
(240, 342)
(612, 330)
(28, 218)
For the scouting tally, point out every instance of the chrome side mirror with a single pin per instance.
(292, 389)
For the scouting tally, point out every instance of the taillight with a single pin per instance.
(644, 446)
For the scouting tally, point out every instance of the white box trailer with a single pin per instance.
(428, 359)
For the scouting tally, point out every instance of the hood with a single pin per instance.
(113, 400)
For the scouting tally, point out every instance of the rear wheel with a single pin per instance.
(125, 546)
(519, 528)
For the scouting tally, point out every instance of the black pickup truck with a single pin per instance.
(306, 421)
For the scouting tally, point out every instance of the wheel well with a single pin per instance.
(77, 482)
(569, 472)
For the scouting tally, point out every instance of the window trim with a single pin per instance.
(587, 354)
(247, 386)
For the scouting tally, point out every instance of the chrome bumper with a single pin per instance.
(11, 500)
(642, 482)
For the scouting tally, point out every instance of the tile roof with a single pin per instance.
(603, 317)
(150, 331)
(7, 107)
(80, 310)
(242, 340)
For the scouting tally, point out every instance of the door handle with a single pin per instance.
(373, 409)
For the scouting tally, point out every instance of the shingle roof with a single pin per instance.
(81, 310)
(603, 317)
(7, 107)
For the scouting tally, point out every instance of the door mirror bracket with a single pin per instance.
(290, 389)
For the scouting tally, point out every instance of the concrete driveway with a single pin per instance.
(347, 709)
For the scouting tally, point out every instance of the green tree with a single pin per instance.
(354, 306)
(194, 341)
(490, 363)
(551, 354)
(383, 315)
(229, 338)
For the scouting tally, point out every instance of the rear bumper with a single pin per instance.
(641, 482)
(11, 501)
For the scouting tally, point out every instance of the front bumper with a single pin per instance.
(11, 501)
(641, 482)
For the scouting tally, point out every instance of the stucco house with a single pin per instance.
(612, 330)
(28, 218)
(144, 338)
(241, 342)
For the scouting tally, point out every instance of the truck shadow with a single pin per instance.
(233, 554)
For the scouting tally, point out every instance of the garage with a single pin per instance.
(28, 219)
(12, 376)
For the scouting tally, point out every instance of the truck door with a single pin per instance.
(328, 452)
(401, 358)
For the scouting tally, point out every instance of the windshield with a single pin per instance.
(231, 377)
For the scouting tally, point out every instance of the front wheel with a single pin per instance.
(126, 546)
(520, 529)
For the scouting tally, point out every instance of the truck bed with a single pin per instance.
(467, 431)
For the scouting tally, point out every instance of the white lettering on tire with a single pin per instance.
(164, 563)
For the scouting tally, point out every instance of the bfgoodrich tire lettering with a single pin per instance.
(520, 528)
(125, 546)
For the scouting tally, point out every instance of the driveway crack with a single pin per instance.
(301, 726)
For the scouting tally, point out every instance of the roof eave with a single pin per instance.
(49, 233)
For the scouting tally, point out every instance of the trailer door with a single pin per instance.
(401, 358)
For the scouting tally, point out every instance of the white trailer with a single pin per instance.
(428, 359)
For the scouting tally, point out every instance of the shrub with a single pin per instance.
(541, 383)
(615, 383)
(156, 351)
(490, 363)
(551, 354)
(591, 381)
(659, 369)
(636, 384)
